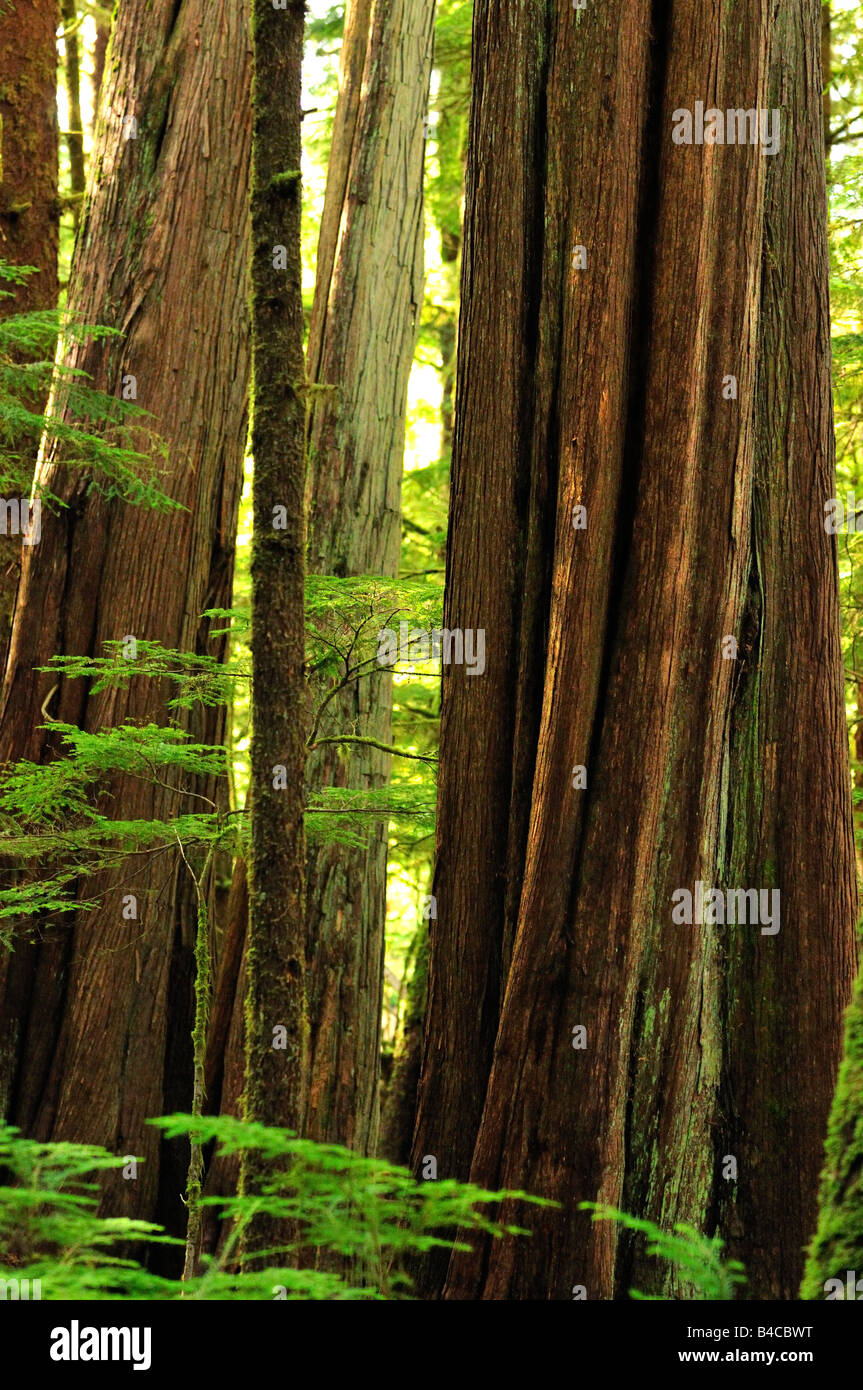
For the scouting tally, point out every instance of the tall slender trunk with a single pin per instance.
(858, 767)
(352, 66)
(580, 1043)
(401, 1092)
(75, 133)
(99, 1013)
(361, 338)
(368, 296)
(450, 250)
(100, 50)
(275, 956)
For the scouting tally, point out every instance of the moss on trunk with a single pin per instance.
(275, 1015)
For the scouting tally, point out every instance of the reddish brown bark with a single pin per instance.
(602, 387)
(28, 147)
(29, 208)
(789, 814)
(98, 1014)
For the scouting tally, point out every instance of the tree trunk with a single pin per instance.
(401, 1092)
(275, 959)
(857, 763)
(368, 296)
(352, 66)
(99, 1014)
(28, 148)
(826, 70)
(100, 50)
(600, 380)
(29, 209)
(226, 1062)
(353, 483)
(783, 1010)
(450, 249)
(75, 133)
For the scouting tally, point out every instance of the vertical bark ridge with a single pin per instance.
(626, 405)
(161, 255)
(789, 806)
(362, 337)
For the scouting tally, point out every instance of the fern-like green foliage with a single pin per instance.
(59, 821)
(332, 1200)
(344, 617)
(88, 429)
(56, 823)
(49, 1229)
(197, 678)
(696, 1260)
(48, 794)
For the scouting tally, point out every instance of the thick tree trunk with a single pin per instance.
(361, 341)
(826, 70)
(789, 819)
(600, 380)
(99, 1014)
(29, 208)
(28, 147)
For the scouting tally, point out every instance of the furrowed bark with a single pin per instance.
(519, 342)
(789, 812)
(28, 148)
(100, 1012)
(606, 386)
(29, 208)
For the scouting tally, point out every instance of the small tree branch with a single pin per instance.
(372, 743)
